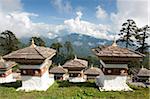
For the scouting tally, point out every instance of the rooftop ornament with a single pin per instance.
(75, 57)
(33, 43)
(114, 43)
(1, 59)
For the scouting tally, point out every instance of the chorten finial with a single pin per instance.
(59, 65)
(33, 44)
(142, 67)
(114, 42)
(75, 57)
(1, 59)
(91, 65)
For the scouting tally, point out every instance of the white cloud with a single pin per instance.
(101, 13)
(90, 44)
(84, 27)
(20, 23)
(77, 43)
(62, 6)
(131, 9)
(101, 43)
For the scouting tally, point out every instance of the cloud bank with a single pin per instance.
(14, 18)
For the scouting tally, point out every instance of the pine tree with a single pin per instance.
(142, 36)
(128, 31)
(8, 42)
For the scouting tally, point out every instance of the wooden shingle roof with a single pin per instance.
(31, 52)
(58, 69)
(4, 65)
(115, 51)
(93, 71)
(76, 63)
(144, 72)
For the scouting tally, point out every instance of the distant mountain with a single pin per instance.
(82, 44)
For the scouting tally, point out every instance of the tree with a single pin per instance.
(8, 42)
(56, 46)
(59, 57)
(92, 60)
(128, 31)
(69, 49)
(38, 41)
(142, 35)
(68, 46)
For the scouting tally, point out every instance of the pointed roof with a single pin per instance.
(31, 52)
(114, 43)
(58, 69)
(93, 71)
(115, 51)
(76, 63)
(6, 64)
(144, 72)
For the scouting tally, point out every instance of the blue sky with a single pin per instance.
(49, 13)
(53, 18)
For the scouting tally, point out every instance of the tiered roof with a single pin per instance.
(144, 72)
(114, 52)
(32, 52)
(58, 69)
(93, 71)
(76, 63)
(4, 65)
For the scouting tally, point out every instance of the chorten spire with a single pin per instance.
(59, 65)
(1, 59)
(92, 66)
(114, 42)
(32, 43)
(142, 67)
(75, 57)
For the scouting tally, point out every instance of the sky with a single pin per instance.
(52, 18)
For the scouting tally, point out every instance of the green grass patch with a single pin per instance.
(66, 90)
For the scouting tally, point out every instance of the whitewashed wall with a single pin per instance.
(7, 79)
(112, 83)
(42, 83)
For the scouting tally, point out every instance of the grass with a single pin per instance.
(66, 90)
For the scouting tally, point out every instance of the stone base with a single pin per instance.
(77, 79)
(30, 83)
(112, 83)
(7, 79)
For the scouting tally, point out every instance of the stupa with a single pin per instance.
(34, 66)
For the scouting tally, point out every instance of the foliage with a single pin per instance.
(56, 46)
(92, 60)
(135, 63)
(127, 32)
(146, 61)
(64, 52)
(8, 42)
(142, 35)
(66, 90)
(69, 49)
(38, 41)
